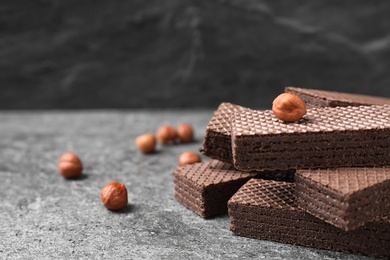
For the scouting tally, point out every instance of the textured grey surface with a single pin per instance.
(43, 216)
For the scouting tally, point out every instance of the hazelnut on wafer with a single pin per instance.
(288, 107)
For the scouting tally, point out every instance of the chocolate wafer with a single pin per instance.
(217, 141)
(324, 138)
(206, 187)
(324, 98)
(345, 197)
(265, 209)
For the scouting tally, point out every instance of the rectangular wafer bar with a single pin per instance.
(324, 138)
(324, 98)
(206, 187)
(345, 197)
(265, 209)
(217, 141)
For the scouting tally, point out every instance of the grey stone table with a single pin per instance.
(43, 216)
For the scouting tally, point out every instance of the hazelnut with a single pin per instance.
(146, 143)
(114, 196)
(288, 107)
(188, 158)
(166, 134)
(185, 133)
(70, 165)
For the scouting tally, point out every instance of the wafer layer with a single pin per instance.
(324, 138)
(206, 187)
(345, 197)
(266, 210)
(323, 98)
(217, 141)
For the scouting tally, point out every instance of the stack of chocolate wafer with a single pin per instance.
(323, 181)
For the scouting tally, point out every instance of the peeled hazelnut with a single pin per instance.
(188, 158)
(146, 143)
(185, 132)
(288, 107)
(114, 196)
(166, 134)
(70, 165)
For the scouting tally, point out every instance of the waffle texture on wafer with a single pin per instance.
(266, 209)
(217, 141)
(324, 98)
(323, 138)
(206, 187)
(344, 197)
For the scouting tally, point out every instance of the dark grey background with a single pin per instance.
(182, 53)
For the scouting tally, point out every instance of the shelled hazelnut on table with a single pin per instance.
(189, 158)
(185, 132)
(146, 143)
(114, 196)
(166, 134)
(70, 166)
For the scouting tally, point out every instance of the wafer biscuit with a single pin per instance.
(323, 138)
(324, 98)
(344, 197)
(265, 209)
